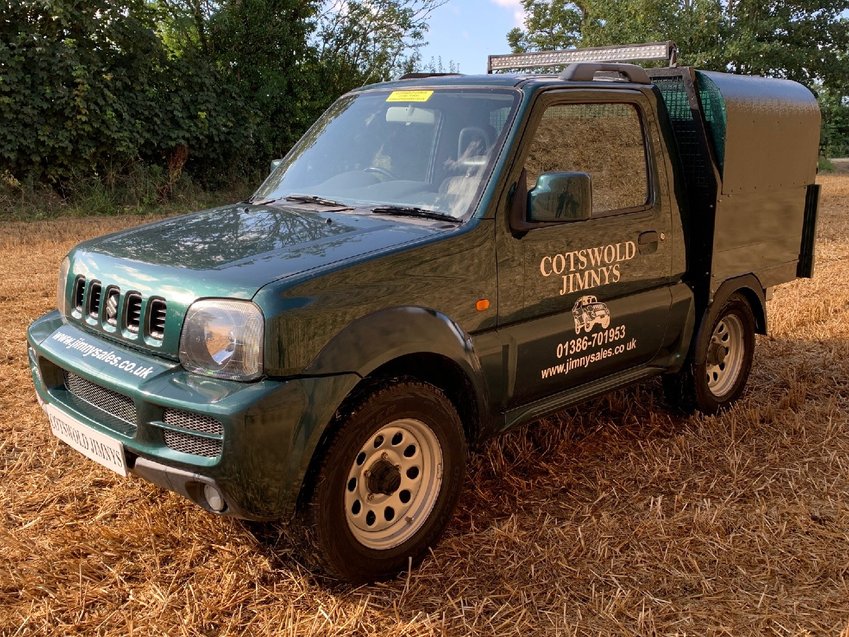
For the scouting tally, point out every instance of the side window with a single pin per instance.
(604, 140)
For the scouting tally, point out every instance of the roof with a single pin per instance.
(526, 82)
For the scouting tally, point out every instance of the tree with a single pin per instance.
(364, 41)
(550, 25)
(834, 140)
(262, 45)
(77, 85)
(803, 40)
(292, 58)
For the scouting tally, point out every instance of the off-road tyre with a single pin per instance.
(402, 428)
(716, 374)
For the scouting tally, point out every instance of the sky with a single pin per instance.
(467, 31)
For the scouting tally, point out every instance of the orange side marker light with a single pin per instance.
(482, 304)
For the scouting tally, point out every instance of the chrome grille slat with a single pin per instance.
(195, 445)
(133, 311)
(112, 403)
(157, 314)
(79, 293)
(94, 291)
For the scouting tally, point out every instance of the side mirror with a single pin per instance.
(560, 196)
(274, 164)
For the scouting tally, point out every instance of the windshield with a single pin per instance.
(427, 149)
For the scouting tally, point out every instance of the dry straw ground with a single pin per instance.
(618, 517)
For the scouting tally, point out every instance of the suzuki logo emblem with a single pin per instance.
(112, 306)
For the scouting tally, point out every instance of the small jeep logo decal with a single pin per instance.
(588, 312)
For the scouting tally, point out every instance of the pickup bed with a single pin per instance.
(439, 259)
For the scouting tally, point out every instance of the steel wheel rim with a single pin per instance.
(380, 514)
(727, 348)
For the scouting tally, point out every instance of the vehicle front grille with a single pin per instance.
(79, 294)
(120, 409)
(198, 435)
(94, 299)
(127, 314)
(113, 298)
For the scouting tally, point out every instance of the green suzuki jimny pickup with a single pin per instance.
(439, 259)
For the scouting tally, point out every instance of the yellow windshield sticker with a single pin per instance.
(409, 96)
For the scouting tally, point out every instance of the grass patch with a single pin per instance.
(617, 517)
(824, 164)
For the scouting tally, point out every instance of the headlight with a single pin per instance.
(62, 287)
(223, 339)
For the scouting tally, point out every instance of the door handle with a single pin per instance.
(647, 242)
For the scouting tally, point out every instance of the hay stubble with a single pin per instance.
(616, 517)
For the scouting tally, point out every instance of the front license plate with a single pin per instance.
(92, 444)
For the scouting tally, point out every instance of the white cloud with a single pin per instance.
(516, 7)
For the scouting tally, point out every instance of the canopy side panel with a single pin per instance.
(768, 159)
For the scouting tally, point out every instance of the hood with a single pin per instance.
(233, 251)
(138, 284)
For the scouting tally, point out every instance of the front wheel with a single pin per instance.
(387, 485)
(725, 349)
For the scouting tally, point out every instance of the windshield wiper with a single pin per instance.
(321, 201)
(412, 211)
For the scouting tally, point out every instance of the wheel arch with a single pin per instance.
(435, 369)
(682, 388)
(403, 342)
(749, 287)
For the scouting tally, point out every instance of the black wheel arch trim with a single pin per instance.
(382, 336)
(376, 341)
(747, 285)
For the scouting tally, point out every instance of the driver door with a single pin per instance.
(580, 300)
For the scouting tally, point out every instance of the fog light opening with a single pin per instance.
(214, 498)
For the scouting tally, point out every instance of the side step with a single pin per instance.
(551, 404)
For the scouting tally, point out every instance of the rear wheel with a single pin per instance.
(725, 349)
(387, 485)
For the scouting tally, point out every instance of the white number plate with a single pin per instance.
(92, 444)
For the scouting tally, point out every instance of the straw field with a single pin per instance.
(619, 517)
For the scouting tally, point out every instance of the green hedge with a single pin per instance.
(90, 89)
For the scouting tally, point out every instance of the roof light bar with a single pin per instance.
(667, 51)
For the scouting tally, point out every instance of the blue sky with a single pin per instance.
(467, 31)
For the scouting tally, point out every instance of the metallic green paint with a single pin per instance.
(270, 427)
(230, 252)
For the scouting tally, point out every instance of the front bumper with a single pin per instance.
(249, 443)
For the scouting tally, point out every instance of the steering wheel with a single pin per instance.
(380, 171)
